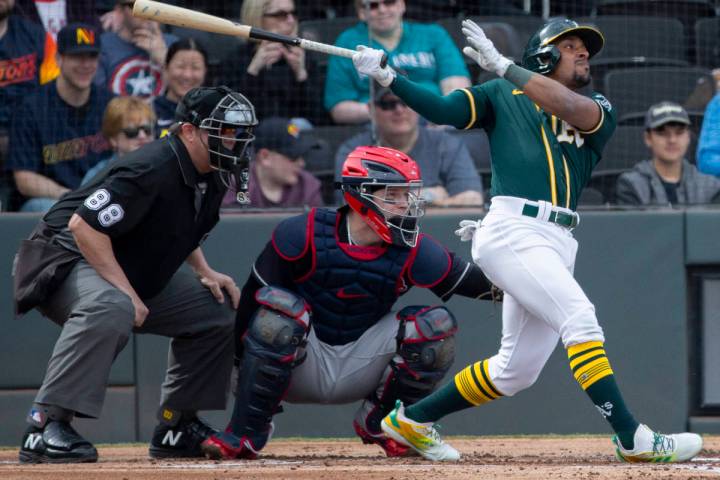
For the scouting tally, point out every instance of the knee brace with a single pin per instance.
(276, 332)
(426, 350)
(426, 345)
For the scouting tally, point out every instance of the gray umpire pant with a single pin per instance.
(97, 320)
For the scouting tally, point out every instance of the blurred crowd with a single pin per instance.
(84, 82)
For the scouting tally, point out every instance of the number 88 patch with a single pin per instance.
(111, 215)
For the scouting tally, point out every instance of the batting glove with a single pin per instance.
(467, 229)
(367, 62)
(482, 50)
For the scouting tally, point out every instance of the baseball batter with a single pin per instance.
(545, 137)
(316, 323)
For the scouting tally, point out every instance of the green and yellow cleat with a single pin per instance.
(422, 437)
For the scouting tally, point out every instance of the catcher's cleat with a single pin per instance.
(57, 442)
(658, 448)
(423, 437)
(180, 441)
(227, 446)
(391, 447)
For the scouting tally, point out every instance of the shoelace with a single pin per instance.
(662, 444)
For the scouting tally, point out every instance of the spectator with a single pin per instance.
(426, 52)
(277, 78)
(22, 55)
(667, 178)
(708, 154)
(55, 133)
(131, 59)
(449, 174)
(185, 68)
(128, 124)
(277, 176)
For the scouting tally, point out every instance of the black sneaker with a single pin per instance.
(57, 442)
(180, 441)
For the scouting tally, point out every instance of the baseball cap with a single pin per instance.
(665, 112)
(77, 38)
(285, 136)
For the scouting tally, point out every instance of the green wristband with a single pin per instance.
(518, 75)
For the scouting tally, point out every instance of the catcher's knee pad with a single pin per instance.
(275, 334)
(427, 348)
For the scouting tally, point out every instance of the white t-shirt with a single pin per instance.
(52, 14)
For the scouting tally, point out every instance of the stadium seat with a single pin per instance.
(639, 40)
(524, 25)
(322, 162)
(633, 90)
(707, 42)
(503, 35)
(687, 11)
(591, 196)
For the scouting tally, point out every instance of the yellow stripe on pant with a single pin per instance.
(474, 384)
(588, 363)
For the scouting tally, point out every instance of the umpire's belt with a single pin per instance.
(564, 218)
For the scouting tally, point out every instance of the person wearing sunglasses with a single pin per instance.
(55, 133)
(449, 174)
(425, 52)
(276, 77)
(128, 124)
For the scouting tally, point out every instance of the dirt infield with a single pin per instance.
(485, 458)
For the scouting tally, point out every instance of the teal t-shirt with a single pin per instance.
(425, 52)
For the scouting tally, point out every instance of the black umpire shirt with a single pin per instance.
(155, 207)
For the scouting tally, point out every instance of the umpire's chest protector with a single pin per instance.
(349, 288)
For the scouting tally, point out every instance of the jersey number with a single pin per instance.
(569, 134)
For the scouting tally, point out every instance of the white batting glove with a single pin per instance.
(467, 230)
(367, 62)
(482, 50)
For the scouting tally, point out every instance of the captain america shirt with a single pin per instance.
(57, 140)
(127, 70)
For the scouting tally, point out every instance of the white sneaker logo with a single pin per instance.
(32, 440)
(605, 409)
(171, 439)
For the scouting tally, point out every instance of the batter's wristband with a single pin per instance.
(518, 76)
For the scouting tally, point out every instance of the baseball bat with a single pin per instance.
(184, 17)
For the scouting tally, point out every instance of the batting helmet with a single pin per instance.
(541, 55)
(383, 186)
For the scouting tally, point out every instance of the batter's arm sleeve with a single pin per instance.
(453, 109)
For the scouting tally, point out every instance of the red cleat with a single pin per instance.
(391, 447)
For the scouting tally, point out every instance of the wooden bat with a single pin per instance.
(184, 17)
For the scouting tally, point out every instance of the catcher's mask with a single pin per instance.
(384, 187)
(229, 118)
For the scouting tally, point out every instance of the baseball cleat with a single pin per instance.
(227, 445)
(180, 441)
(658, 448)
(57, 442)
(422, 437)
(391, 447)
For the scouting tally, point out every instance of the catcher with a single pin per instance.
(317, 309)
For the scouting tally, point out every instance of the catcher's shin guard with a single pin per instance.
(276, 332)
(426, 350)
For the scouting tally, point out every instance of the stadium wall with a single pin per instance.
(633, 265)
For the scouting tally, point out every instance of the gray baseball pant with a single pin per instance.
(97, 320)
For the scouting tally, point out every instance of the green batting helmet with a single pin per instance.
(541, 55)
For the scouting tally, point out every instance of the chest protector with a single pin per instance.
(349, 288)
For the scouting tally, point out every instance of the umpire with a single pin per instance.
(106, 261)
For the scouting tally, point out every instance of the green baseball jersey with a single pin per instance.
(536, 155)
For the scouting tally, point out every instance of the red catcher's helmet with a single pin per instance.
(383, 185)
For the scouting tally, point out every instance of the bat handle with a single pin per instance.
(383, 61)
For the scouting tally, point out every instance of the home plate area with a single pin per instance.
(502, 458)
